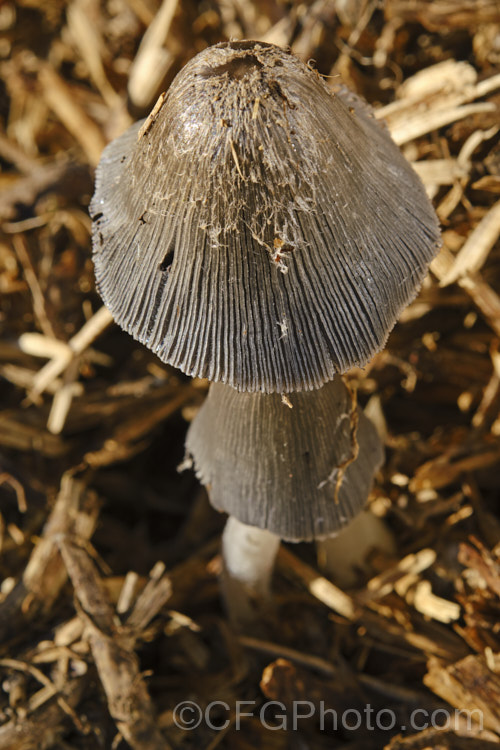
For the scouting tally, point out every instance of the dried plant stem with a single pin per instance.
(80, 341)
(112, 647)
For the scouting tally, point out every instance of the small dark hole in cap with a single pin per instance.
(236, 68)
(167, 261)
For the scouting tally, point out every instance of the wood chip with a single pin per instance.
(476, 248)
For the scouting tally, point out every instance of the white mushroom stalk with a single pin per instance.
(249, 554)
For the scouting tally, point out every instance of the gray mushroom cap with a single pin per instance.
(279, 468)
(258, 229)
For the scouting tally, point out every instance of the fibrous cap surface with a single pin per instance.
(301, 472)
(258, 229)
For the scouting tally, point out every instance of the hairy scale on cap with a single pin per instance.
(259, 230)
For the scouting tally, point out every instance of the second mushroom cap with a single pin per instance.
(302, 473)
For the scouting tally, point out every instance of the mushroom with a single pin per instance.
(264, 232)
(258, 230)
(296, 474)
(301, 473)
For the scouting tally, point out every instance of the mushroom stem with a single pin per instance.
(249, 554)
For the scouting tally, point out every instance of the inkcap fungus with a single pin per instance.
(258, 229)
(301, 473)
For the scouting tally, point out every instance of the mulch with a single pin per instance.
(110, 613)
